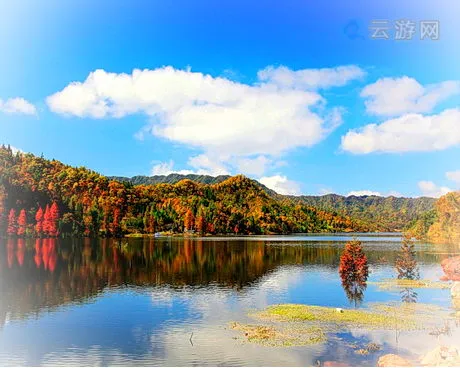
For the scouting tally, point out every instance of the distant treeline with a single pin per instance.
(83, 202)
(442, 223)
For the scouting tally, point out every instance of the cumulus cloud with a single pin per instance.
(202, 164)
(397, 96)
(454, 176)
(358, 193)
(254, 166)
(410, 132)
(166, 168)
(205, 164)
(311, 78)
(17, 105)
(430, 189)
(281, 185)
(226, 120)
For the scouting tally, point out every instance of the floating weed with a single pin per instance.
(288, 335)
(392, 284)
(349, 317)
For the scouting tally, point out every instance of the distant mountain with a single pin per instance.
(372, 212)
(442, 223)
(376, 213)
(170, 179)
(175, 178)
(40, 197)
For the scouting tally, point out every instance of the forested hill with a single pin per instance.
(374, 212)
(442, 223)
(40, 197)
(175, 178)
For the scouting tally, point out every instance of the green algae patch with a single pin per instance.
(370, 319)
(283, 336)
(394, 284)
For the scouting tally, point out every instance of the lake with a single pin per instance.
(169, 301)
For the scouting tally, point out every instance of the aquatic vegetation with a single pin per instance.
(350, 317)
(287, 335)
(393, 284)
(297, 324)
(384, 316)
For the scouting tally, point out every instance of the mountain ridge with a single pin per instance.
(374, 212)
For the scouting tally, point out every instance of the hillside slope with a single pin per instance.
(376, 213)
(80, 201)
(373, 213)
(442, 224)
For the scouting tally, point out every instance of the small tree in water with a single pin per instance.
(406, 264)
(354, 270)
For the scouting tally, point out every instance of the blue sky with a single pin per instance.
(296, 94)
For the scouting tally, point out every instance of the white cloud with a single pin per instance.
(253, 166)
(454, 176)
(396, 96)
(310, 78)
(16, 150)
(227, 120)
(411, 132)
(325, 191)
(201, 163)
(204, 164)
(166, 168)
(363, 193)
(281, 185)
(17, 105)
(430, 189)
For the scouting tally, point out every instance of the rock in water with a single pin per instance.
(393, 360)
(441, 356)
(451, 267)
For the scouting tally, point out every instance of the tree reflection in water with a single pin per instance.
(354, 270)
(407, 269)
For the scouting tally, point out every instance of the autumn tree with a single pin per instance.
(46, 221)
(12, 225)
(354, 271)
(22, 223)
(200, 224)
(406, 264)
(53, 229)
(39, 222)
(189, 220)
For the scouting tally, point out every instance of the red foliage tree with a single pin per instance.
(22, 223)
(53, 220)
(46, 221)
(354, 270)
(353, 262)
(200, 224)
(189, 220)
(12, 226)
(39, 222)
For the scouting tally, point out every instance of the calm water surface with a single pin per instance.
(138, 301)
